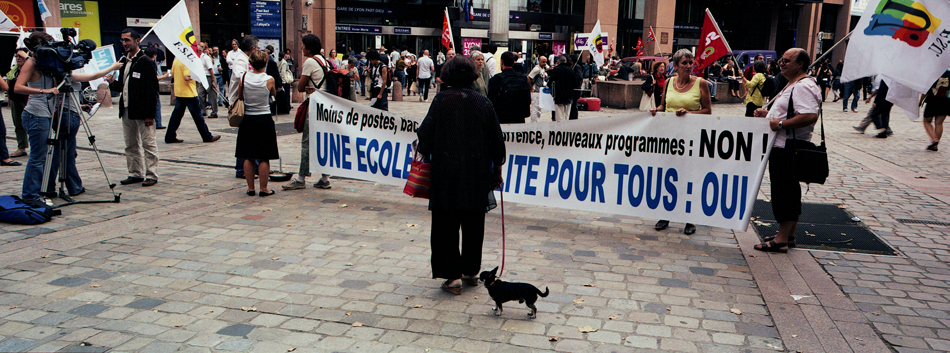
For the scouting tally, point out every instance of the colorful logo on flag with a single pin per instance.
(188, 37)
(598, 43)
(905, 20)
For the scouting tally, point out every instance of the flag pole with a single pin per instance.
(813, 64)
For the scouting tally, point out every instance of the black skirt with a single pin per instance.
(257, 138)
(936, 107)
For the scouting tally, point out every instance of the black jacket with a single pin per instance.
(143, 88)
(514, 106)
(562, 82)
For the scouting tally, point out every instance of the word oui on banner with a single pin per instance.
(703, 169)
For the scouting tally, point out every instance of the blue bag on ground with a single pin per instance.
(14, 210)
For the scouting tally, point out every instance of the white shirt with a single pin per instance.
(208, 63)
(240, 64)
(806, 98)
(425, 67)
(491, 63)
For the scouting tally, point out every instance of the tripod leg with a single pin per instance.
(92, 141)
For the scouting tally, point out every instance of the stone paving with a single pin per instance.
(194, 265)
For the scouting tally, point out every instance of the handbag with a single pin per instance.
(419, 181)
(236, 110)
(300, 118)
(809, 161)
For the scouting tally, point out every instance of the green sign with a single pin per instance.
(72, 8)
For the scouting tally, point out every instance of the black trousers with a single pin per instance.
(786, 191)
(447, 261)
(881, 115)
(750, 109)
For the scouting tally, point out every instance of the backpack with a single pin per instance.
(15, 210)
(514, 95)
(336, 81)
(768, 88)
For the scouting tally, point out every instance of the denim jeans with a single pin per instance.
(194, 108)
(850, 89)
(158, 112)
(401, 76)
(222, 91)
(4, 152)
(38, 129)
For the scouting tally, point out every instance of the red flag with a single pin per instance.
(639, 47)
(447, 40)
(650, 37)
(712, 45)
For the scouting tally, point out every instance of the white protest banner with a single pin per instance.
(699, 168)
(174, 30)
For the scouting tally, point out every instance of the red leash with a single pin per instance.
(502, 193)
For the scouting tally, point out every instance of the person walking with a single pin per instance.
(562, 83)
(425, 71)
(5, 159)
(312, 74)
(208, 97)
(380, 76)
(461, 137)
(881, 109)
(257, 136)
(684, 94)
(139, 108)
(287, 76)
(850, 89)
(801, 99)
(938, 107)
(186, 96)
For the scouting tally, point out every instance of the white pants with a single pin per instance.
(141, 151)
(562, 112)
(535, 108)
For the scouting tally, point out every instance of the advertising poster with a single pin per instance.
(469, 43)
(82, 15)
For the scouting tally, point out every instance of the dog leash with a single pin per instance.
(502, 193)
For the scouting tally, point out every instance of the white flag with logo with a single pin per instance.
(6, 23)
(893, 33)
(596, 43)
(174, 30)
(44, 10)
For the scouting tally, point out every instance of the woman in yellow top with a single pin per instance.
(754, 99)
(684, 93)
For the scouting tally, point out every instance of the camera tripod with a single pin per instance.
(58, 136)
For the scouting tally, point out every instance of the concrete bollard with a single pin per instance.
(397, 92)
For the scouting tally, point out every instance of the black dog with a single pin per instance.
(501, 292)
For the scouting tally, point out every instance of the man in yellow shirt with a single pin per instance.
(186, 95)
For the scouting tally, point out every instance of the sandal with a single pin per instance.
(18, 153)
(772, 246)
(453, 286)
(791, 241)
(11, 163)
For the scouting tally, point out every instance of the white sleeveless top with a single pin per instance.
(256, 95)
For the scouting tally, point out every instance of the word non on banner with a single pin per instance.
(702, 169)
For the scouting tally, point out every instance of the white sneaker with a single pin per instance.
(294, 185)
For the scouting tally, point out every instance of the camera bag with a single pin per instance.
(15, 210)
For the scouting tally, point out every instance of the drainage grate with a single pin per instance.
(822, 227)
(917, 221)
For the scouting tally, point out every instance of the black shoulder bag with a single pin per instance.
(809, 162)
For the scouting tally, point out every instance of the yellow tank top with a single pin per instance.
(688, 100)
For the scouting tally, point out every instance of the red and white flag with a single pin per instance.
(650, 37)
(447, 40)
(639, 46)
(712, 45)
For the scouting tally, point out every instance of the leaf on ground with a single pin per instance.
(859, 338)
(291, 349)
(357, 324)
(586, 329)
(793, 336)
(95, 285)
(417, 306)
(343, 206)
(348, 313)
(179, 325)
(876, 313)
(411, 225)
(552, 339)
(249, 308)
(14, 307)
(773, 346)
(348, 264)
(588, 285)
(736, 311)
(832, 263)
(612, 317)
(578, 301)
(800, 297)
(504, 329)
(275, 258)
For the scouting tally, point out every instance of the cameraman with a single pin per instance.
(45, 101)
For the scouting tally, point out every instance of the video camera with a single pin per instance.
(58, 58)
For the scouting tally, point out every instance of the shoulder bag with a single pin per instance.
(236, 111)
(809, 161)
(300, 118)
(419, 181)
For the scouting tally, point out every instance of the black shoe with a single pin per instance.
(132, 180)
(150, 182)
(265, 194)
(214, 138)
(174, 141)
(213, 116)
(80, 192)
(882, 135)
(933, 146)
(49, 195)
(661, 225)
(239, 175)
(160, 128)
(713, 99)
(689, 229)
(252, 193)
